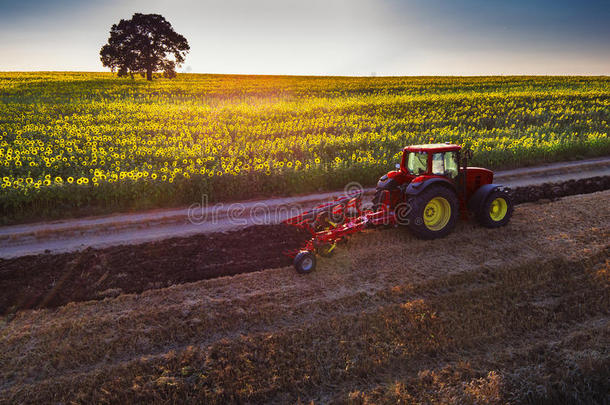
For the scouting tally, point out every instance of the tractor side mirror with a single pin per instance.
(398, 166)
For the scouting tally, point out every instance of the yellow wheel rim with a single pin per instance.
(437, 214)
(498, 209)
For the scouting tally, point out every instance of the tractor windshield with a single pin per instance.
(417, 162)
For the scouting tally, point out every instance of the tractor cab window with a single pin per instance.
(445, 164)
(417, 162)
(451, 164)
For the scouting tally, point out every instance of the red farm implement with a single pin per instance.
(431, 187)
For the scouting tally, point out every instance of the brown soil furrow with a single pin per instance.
(54, 280)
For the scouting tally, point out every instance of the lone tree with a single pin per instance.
(144, 45)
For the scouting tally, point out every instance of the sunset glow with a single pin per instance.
(360, 37)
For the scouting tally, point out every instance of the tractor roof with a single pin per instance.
(433, 148)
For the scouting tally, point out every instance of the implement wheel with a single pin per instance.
(305, 262)
(496, 211)
(433, 212)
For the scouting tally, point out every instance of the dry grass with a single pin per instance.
(483, 316)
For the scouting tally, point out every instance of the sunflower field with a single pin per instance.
(78, 143)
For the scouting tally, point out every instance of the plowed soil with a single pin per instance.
(52, 280)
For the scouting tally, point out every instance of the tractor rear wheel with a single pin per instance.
(433, 212)
(496, 210)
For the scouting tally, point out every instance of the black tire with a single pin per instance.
(447, 204)
(305, 262)
(491, 208)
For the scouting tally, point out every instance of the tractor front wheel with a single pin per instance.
(433, 212)
(496, 210)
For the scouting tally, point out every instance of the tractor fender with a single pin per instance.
(479, 196)
(416, 187)
(386, 183)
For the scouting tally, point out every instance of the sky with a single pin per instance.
(325, 37)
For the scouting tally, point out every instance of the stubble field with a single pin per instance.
(515, 314)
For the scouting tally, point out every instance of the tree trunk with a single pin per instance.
(148, 74)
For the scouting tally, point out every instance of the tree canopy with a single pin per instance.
(144, 44)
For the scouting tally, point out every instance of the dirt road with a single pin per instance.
(100, 232)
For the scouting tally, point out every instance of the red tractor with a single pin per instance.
(428, 190)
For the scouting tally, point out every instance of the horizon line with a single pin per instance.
(328, 75)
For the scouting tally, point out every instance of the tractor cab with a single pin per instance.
(437, 159)
(432, 163)
(422, 162)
